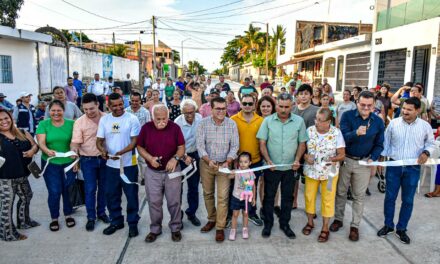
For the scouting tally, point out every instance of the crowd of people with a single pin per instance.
(301, 133)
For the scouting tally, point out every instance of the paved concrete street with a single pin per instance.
(76, 245)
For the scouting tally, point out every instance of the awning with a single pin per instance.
(300, 59)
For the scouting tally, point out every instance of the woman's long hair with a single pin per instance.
(13, 129)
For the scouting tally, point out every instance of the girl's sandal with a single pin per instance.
(307, 229)
(54, 226)
(323, 237)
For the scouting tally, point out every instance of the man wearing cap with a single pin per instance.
(246, 88)
(24, 114)
(265, 84)
(70, 90)
(79, 87)
(5, 104)
(205, 109)
(100, 89)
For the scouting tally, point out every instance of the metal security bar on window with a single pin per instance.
(5, 69)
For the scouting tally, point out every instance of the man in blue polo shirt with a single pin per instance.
(363, 133)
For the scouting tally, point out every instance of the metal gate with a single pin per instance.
(392, 68)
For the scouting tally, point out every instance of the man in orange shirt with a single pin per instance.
(248, 124)
(92, 164)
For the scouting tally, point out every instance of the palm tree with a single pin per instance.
(251, 43)
(118, 50)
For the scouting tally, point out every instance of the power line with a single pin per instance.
(196, 48)
(87, 11)
(54, 11)
(113, 27)
(208, 22)
(235, 9)
(199, 32)
(247, 13)
(192, 36)
(199, 27)
(293, 11)
(210, 8)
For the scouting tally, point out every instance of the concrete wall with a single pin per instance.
(24, 68)
(437, 69)
(53, 70)
(408, 36)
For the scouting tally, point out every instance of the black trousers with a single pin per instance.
(271, 181)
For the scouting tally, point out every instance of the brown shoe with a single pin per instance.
(354, 234)
(219, 236)
(334, 227)
(208, 227)
(151, 237)
(176, 236)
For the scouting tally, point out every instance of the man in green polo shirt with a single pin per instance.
(282, 141)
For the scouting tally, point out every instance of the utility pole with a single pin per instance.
(80, 38)
(114, 40)
(140, 65)
(267, 47)
(154, 47)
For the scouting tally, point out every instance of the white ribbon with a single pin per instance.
(170, 175)
(121, 170)
(62, 155)
(396, 163)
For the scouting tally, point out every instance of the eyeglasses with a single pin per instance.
(248, 104)
(220, 109)
(188, 113)
(321, 121)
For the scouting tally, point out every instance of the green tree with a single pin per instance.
(9, 12)
(176, 56)
(251, 43)
(119, 50)
(230, 53)
(76, 36)
(195, 67)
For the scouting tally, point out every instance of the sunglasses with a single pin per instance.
(248, 104)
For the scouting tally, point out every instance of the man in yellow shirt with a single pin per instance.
(248, 124)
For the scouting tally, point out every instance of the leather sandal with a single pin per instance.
(307, 229)
(323, 237)
(54, 226)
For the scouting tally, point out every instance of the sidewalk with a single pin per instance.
(79, 246)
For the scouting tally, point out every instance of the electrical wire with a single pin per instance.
(211, 8)
(250, 12)
(91, 13)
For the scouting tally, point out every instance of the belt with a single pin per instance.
(354, 157)
(91, 157)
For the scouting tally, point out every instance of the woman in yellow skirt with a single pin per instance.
(325, 149)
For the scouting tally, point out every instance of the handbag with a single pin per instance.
(77, 193)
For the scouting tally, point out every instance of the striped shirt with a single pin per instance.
(218, 142)
(407, 141)
(142, 114)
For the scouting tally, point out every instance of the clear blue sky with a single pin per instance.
(208, 31)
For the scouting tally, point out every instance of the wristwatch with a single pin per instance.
(426, 153)
(176, 158)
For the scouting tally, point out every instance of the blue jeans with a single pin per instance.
(406, 177)
(57, 183)
(114, 186)
(193, 182)
(93, 169)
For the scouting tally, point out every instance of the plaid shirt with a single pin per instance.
(143, 115)
(218, 142)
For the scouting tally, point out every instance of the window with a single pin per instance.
(329, 67)
(5, 69)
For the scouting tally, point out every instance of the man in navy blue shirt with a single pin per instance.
(79, 86)
(363, 133)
